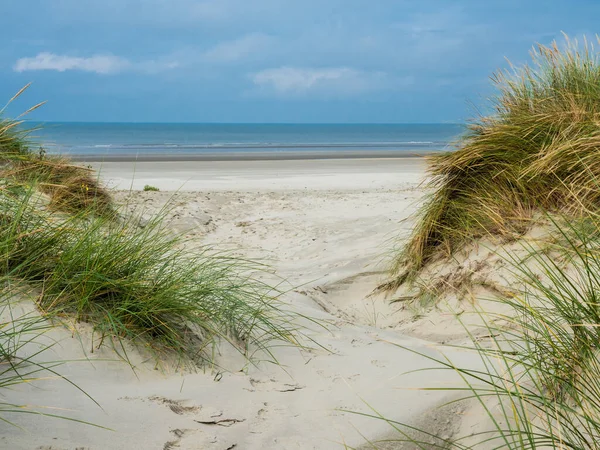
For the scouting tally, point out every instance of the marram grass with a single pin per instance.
(62, 238)
(536, 385)
(71, 188)
(60, 232)
(136, 283)
(23, 346)
(539, 150)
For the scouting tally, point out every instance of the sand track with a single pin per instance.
(329, 246)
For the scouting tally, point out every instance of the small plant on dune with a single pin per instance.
(151, 188)
(539, 149)
(70, 187)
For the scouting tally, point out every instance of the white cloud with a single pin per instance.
(238, 49)
(155, 66)
(101, 64)
(333, 80)
(104, 64)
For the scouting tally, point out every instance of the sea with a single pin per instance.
(198, 139)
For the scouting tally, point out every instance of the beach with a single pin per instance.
(300, 174)
(325, 227)
(234, 225)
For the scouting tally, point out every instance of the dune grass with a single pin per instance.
(65, 245)
(71, 188)
(539, 150)
(536, 383)
(61, 233)
(23, 341)
(136, 283)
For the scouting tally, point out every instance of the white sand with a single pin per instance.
(343, 174)
(325, 226)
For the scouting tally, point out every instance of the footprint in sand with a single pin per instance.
(378, 363)
(51, 447)
(213, 416)
(353, 378)
(179, 435)
(202, 415)
(176, 406)
(265, 413)
(274, 385)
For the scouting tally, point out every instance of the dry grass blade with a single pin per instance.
(14, 97)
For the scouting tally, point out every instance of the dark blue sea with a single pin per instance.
(147, 139)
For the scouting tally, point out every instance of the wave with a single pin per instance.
(258, 145)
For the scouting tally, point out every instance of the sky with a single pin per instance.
(277, 61)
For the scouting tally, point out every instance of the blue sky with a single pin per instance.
(314, 61)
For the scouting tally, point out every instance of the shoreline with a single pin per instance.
(252, 156)
(318, 174)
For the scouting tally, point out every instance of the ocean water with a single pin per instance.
(117, 139)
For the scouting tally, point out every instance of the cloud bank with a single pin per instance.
(103, 64)
(332, 80)
(100, 64)
(243, 60)
(237, 49)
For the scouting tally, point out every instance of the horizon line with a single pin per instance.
(239, 123)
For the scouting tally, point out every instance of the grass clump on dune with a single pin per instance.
(23, 340)
(136, 283)
(64, 246)
(71, 188)
(533, 382)
(539, 150)
(60, 233)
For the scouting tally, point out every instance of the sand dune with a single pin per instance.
(326, 229)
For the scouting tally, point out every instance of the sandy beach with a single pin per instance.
(326, 228)
(270, 175)
(260, 225)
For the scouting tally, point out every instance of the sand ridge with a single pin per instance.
(329, 246)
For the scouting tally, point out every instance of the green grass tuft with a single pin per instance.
(136, 283)
(540, 149)
(71, 188)
(62, 238)
(151, 188)
(23, 344)
(536, 384)
(60, 233)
